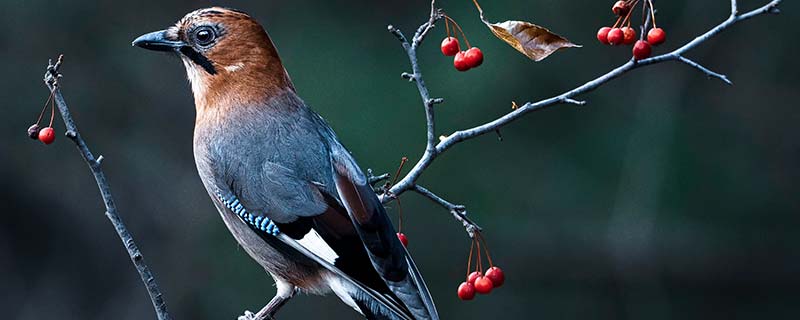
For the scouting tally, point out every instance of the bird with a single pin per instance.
(287, 189)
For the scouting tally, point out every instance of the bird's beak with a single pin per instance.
(158, 41)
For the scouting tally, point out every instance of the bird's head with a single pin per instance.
(229, 58)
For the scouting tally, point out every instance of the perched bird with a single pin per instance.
(289, 192)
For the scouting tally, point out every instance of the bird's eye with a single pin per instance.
(204, 36)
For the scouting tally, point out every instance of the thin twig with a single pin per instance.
(459, 212)
(705, 70)
(51, 79)
(373, 179)
(423, 29)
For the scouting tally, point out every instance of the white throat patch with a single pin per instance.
(195, 75)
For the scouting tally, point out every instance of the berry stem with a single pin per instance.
(652, 13)
(463, 35)
(630, 12)
(486, 249)
(447, 26)
(41, 114)
(399, 216)
(469, 260)
(480, 263)
(399, 206)
(616, 23)
(399, 169)
(52, 112)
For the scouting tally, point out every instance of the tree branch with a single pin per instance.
(372, 179)
(466, 134)
(703, 69)
(51, 79)
(433, 148)
(459, 211)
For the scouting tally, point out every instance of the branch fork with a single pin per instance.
(437, 144)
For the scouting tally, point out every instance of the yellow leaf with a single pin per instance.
(534, 41)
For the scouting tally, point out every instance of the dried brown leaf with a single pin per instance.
(534, 41)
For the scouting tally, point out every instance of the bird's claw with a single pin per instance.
(247, 316)
(252, 316)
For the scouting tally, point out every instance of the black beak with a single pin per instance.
(158, 41)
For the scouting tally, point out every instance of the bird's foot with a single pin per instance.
(252, 316)
(247, 316)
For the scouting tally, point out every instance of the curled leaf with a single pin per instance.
(534, 41)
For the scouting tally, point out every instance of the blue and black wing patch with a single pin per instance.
(258, 222)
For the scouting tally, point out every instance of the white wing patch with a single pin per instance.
(314, 243)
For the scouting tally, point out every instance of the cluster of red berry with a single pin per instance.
(622, 33)
(477, 280)
(463, 60)
(47, 134)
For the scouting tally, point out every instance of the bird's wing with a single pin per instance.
(387, 254)
(378, 302)
(277, 203)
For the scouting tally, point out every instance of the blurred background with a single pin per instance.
(668, 196)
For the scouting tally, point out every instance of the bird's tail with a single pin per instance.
(372, 305)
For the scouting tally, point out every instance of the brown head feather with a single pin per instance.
(242, 67)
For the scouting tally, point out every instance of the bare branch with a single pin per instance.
(373, 179)
(448, 141)
(428, 103)
(459, 211)
(424, 28)
(573, 101)
(705, 70)
(51, 79)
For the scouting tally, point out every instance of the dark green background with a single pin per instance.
(668, 196)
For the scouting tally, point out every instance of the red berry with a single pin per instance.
(656, 36)
(474, 57)
(615, 36)
(602, 35)
(496, 275)
(450, 46)
(33, 131)
(466, 291)
(620, 8)
(460, 61)
(641, 50)
(483, 285)
(402, 238)
(47, 135)
(629, 35)
(473, 276)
